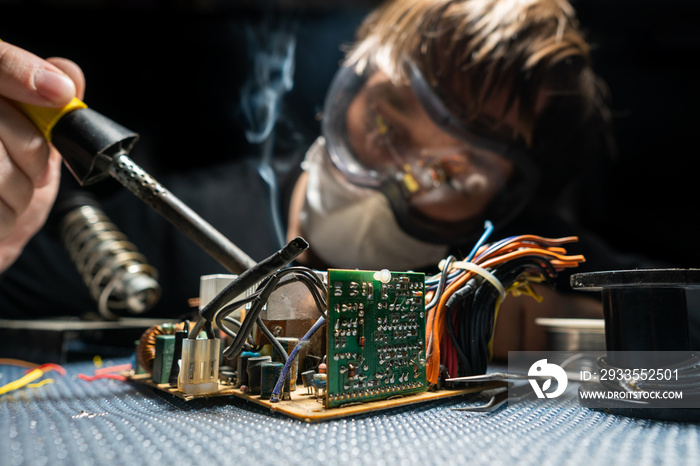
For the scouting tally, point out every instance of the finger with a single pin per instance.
(8, 220)
(16, 188)
(52, 172)
(22, 142)
(29, 79)
(16, 231)
(74, 72)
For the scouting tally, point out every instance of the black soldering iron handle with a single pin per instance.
(88, 142)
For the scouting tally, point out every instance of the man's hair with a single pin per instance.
(528, 51)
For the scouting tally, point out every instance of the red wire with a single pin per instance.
(49, 366)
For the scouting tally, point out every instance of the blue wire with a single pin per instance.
(288, 364)
(488, 230)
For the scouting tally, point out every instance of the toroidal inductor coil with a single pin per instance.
(146, 349)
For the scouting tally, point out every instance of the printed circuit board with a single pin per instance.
(376, 335)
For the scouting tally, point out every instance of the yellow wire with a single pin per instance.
(39, 384)
(21, 382)
(520, 287)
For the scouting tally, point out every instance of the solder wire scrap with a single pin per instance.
(464, 298)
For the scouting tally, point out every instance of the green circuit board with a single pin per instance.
(376, 335)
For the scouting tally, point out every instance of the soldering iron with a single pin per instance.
(95, 147)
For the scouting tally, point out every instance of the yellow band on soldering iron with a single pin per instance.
(45, 118)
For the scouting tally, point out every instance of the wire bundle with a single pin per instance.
(463, 299)
(257, 302)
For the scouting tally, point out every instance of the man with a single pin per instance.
(446, 114)
(454, 111)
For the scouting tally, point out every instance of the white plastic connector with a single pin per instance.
(199, 368)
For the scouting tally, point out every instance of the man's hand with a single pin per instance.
(29, 166)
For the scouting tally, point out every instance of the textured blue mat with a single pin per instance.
(75, 422)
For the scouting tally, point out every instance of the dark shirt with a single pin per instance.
(231, 196)
(235, 199)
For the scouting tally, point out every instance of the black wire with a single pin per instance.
(254, 275)
(474, 306)
(484, 306)
(441, 284)
(230, 332)
(315, 286)
(247, 323)
(303, 274)
(209, 330)
(251, 317)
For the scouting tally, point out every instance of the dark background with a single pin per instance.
(173, 72)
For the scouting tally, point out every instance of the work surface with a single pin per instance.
(73, 421)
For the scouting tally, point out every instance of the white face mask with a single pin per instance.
(352, 227)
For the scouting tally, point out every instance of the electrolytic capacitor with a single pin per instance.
(242, 367)
(254, 371)
(269, 373)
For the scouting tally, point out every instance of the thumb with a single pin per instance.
(27, 78)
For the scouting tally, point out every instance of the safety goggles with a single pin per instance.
(442, 178)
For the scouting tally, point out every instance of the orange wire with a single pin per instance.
(17, 362)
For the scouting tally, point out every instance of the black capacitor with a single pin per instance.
(269, 374)
(254, 371)
(242, 367)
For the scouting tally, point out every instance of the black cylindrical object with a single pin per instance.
(242, 368)
(95, 147)
(253, 274)
(269, 373)
(254, 371)
(645, 310)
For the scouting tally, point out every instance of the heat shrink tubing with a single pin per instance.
(95, 147)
